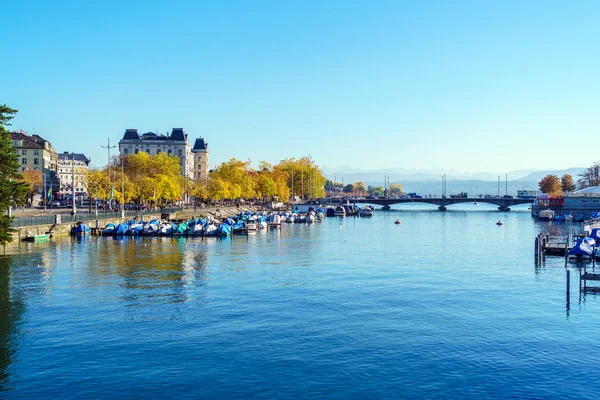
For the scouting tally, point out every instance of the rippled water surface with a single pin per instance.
(444, 305)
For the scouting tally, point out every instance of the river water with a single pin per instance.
(445, 305)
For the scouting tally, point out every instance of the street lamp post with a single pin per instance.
(123, 185)
(44, 199)
(74, 210)
(498, 185)
(108, 147)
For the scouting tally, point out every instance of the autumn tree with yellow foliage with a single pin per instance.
(157, 180)
(34, 181)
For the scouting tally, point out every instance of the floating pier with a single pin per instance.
(556, 245)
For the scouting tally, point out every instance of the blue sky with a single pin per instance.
(461, 85)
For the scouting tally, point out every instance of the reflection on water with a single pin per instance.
(12, 304)
(446, 304)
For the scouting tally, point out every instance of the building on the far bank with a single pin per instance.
(72, 165)
(175, 144)
(201, 154)
(36, 154)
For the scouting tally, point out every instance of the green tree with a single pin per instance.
(349, 188)
(375, 190)
(567, 182)
(551, 184)
(12, 189)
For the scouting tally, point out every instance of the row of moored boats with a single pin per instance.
(246, 222)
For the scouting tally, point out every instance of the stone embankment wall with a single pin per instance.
(65, 229)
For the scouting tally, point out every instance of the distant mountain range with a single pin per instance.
(429, 182)
(400, 175)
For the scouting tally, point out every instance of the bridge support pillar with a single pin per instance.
(386, 208)
(442, 208)
(503, 208)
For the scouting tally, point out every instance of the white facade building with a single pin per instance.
(152, 143)
(72, 165)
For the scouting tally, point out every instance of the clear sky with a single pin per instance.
(464, 85)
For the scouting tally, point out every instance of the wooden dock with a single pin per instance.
(545, 244)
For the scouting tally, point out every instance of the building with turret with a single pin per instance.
(200, 151)
(175, 144)
(194, 161)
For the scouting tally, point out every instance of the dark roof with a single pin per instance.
(178, 134)
(29, 142)
(153, 136)
(69, 156)
(131, 134)
(200, 144)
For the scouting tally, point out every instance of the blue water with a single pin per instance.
(446, 305)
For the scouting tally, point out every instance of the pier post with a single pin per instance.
(442, 208)
(568, 282)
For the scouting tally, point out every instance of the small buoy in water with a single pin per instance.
(499, 223)
(398, 222)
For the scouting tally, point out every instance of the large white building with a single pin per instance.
(72, 165)
(194, 162)
(175, 144)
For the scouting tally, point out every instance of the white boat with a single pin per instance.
(340, 211)
(568, 217)
(198, 229)
(365, 212)
(166, 229)
(546, 215)
(274, 220)
(210, 230)
(251, 225)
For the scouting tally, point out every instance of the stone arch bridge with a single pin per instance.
(503, 204)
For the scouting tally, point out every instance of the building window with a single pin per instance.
(137, 150)
(35, 169)
(180, 152)
(36, 161)
(24, 152)
(169, 151)
(36, 152)
(126, 151)
(23, 161)
(148, 151)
